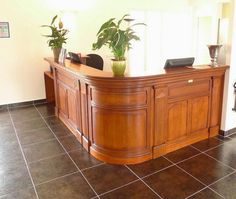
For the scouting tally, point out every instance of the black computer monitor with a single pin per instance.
(171, 63)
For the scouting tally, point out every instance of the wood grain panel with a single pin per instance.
(132, 119)
(49, 86)
(67, 79)
(217, 92)
(189, 87)
(130, 98)
(198, 109)
(160, 119)
(62, 98)
(120, 130)
(177, 120)
(72, 106)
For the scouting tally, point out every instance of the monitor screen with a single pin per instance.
(171, 63)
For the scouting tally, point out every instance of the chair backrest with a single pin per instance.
(94, 61)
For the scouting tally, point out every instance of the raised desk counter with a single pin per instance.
(132, 119)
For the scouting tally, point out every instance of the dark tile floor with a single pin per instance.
(41, 159)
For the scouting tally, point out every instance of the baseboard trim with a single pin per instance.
(229, 132)
(22, 104)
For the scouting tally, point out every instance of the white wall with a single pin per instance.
(228, 115)
(21, 56)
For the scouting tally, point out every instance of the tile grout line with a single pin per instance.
(185, 158)
(156, 171)
(57, 178)
(200, 191)
(67, 153)
(204, 152)
(92, 166)
(40, 142)
(26, 120)
(143, 182)
(206, 186)
(131, 181)
(48, 157)
(218, 181)
(48, 140)
(222, 178)
(28, 131)
(114, 189)
(26, 164)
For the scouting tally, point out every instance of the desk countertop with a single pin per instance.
(83, 70)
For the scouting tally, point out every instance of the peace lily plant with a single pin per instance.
(57, 37)
(118, 40)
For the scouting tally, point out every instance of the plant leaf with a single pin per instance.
(119, 22)
(137, 24)
(105, 25)
(53, 20)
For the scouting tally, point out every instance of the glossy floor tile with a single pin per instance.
(173, 183)
(149, 167)
(106, 177)
(182, 154)
(83, 160)
(35, 136)
(225, 153)
(51, 168)
(26, 193)
(69, 187)
(205, 169)
(46, 110)
(30, 124)
(41, 159)
(14, 176)
(207, 144)
(60, 130)
(42, 150)
(226, 187)
(53, 121)
(206, 194)
(70, 143)
(136, 190)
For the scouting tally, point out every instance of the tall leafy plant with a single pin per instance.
(117, 39)
(58, 34)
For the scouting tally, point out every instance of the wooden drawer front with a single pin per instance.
(188, 87)
(105, 98)
(66, 79)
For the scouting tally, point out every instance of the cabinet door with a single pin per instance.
(198, 113)
(72, 106)
(62, 98)
(177, 120)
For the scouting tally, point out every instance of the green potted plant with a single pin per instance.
(118, 40)
(57, 37)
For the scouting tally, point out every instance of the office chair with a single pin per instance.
(94, 61)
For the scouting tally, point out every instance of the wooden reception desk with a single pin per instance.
(135, 118)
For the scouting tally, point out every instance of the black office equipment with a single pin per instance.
(94, 61)
(171, 63)
(74, 57)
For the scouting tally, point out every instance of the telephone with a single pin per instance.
(74, 57)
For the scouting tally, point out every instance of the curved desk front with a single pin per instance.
(135, 118)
